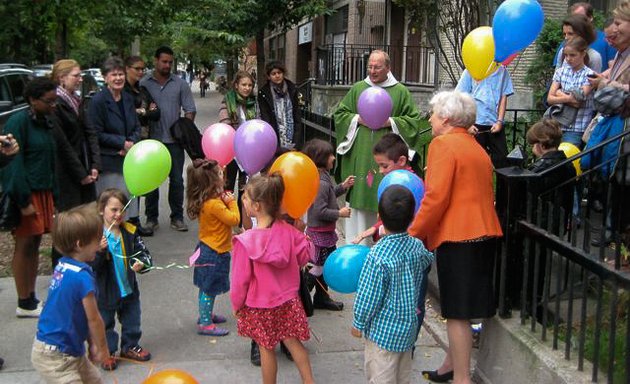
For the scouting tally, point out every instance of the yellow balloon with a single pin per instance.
(478, 53)
(571, 150)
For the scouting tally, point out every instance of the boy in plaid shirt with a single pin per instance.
(387, 296)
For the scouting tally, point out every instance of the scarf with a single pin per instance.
(72, 100)
(233, 100)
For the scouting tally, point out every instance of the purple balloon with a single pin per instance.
(255, 143)
(375, 107)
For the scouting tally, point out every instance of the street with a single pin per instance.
(169, 304)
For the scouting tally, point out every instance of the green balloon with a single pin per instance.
(146, 166)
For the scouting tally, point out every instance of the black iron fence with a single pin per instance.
(566, 266)
(345, 64)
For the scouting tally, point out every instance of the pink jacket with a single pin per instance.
(266, 264)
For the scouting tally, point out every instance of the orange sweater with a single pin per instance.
(458, 203)
(215, 224)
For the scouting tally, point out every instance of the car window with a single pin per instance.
(5, 95)
(16, 84)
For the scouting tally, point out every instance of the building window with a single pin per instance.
(277, 49)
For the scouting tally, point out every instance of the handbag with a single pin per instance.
(9, 213)
(305, 294)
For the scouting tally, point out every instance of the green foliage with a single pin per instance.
(541, 71)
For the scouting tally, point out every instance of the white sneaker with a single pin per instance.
(21, 312)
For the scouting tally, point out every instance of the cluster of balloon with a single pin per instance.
(255, 143)
(515, 25)
(146, 166)
(342, 268)
(217, 143)
(170, 376)
(407, 179)
(375, 107)
(570, 150)
(301, 182)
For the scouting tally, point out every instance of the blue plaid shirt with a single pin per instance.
(571, 80)
(389, 286)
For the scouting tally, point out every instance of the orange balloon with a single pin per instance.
(170, 376)
(301, 182)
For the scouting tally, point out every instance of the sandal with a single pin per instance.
(110, 363)
(136, 353)
(212, 330)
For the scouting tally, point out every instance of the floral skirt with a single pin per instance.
(268, 326)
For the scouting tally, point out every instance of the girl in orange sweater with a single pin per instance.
(217, 213)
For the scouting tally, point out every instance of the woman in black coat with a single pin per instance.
(279, 105)
(76, 178)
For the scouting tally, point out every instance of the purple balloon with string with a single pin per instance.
(255, 143)
(375, 107)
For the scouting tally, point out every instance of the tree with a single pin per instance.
(447, 24)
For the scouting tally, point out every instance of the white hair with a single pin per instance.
(458, 107)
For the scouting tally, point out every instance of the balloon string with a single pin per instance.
(154, 267)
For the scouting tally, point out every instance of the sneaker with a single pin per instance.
(144, 231)
(179, 225)
(152, 225)
(24, 313)
(110, 363)
(136, 353)
(211, 330)
(218, 319)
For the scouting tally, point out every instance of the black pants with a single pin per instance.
(494, 143)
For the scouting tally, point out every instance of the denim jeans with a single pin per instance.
(128, 310)
(574, 138)
(175, 187)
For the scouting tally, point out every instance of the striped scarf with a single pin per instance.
(70, 98)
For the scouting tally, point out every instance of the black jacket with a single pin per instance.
(108, 293)
(143, 99)
(84, 155)
(186, 133)
(267, 111)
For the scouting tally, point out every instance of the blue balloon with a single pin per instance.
(407, 179)
(515, 25)
(343, 267)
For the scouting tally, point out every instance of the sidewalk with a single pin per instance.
(169, 305)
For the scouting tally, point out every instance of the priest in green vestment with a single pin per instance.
(355, 140)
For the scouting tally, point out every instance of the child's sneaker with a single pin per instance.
(110, 363)
(212, 330)
(218, 319)
(136, 353)
(23, 312)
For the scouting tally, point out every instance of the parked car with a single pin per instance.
(96, 73)
(13, 78)
(42, 70)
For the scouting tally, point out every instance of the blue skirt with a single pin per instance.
(212, 271)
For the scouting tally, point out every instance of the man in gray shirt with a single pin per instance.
(172, 95)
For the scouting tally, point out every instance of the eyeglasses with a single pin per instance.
(51, 103)
(141, 69)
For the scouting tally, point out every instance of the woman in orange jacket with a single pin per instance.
(458, 221)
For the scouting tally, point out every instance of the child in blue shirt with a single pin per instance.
(389, 287)
(71, 316)
(122, 255)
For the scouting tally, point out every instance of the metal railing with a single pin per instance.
(345, 64)
(549, 269)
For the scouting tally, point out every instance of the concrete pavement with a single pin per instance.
(169, 313)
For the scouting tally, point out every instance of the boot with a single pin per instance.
(322, 299)
(254, 355)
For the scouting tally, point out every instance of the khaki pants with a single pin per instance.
(383, 367)
(56, 367)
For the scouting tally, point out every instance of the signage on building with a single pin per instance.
(305, 33)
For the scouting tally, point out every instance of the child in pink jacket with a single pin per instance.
(266, 266)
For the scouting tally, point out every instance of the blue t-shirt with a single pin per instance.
(487, 93)
(63, 322)
(600, 45)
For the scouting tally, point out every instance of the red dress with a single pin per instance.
(268, 326)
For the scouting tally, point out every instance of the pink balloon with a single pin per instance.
(217, 143)
(510, 58)
(255, 144)
(375, 107)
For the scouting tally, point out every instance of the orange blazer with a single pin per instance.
(458, 203)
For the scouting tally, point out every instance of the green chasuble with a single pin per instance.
(358, 160)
